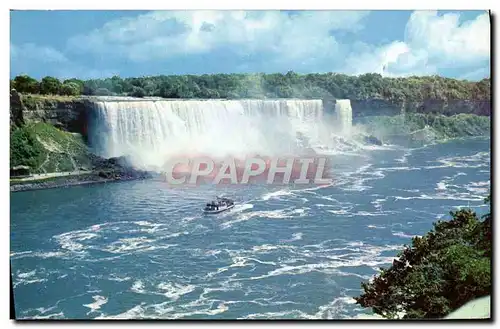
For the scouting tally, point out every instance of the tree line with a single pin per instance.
(259, 85)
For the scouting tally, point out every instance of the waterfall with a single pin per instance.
(343, 111)
(149, 131)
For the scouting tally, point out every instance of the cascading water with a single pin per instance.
(343, 111)
(150, 131)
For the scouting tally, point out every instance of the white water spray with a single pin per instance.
(150, 131)
(343, 111)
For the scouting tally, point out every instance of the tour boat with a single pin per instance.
(218, 206)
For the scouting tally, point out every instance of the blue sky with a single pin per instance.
(94, 44)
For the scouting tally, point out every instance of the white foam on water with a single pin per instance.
(20, 253)
(98, 302)
(138, 287)
(376, 226)
(477, 160)
(404, 235)
(291, 314)
(441, 186)
(404, 157)
(115, 277)
(74, 241)
(297, 236)
(28, 281)
(377, 213)
(136, 312)
(289, 212)
(366, 255)
(276, 195)
(400, 168)
(149, 227)
(26, 274)
(267, 247)
(334, 309)
(59, 315)
(174, 290)
(31, 277)
(459, 197)
(242, 207)
(377, 203)
(129, 244)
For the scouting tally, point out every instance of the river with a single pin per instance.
(140, 249)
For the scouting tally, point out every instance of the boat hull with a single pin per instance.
(211, 212)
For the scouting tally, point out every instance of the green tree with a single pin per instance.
(289, 85)
(438, 273)
(102, 92)
(50, 85)
(137, 92)
(90, 87)
(70, 89)
(79, 82)
(25, 149)
(26, 84)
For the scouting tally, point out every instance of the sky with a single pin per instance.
(99, 44)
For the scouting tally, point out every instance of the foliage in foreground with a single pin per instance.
(438, 273)
(260, 85)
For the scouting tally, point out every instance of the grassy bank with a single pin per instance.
(44, 148)
(35, 101)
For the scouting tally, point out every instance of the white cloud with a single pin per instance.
(274, 41)
(431, 42)
(81, 72)
(444, 38)
(29, 56)
(165, 34)
(33, 52)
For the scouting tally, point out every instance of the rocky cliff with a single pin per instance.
(380, 107)
(68, 113)
(16, 109)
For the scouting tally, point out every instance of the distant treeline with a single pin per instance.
(289, 85)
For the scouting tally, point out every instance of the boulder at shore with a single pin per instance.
(372, 140)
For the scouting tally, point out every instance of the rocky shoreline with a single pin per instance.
(103, 171)
(63, 182)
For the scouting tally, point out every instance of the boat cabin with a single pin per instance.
(220, 203)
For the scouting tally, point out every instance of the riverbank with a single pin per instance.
(62, 180)
(103, 171)
(67, 181)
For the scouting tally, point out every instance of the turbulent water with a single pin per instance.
(142, 250)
